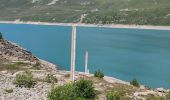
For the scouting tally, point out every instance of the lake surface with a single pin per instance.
(121, 53)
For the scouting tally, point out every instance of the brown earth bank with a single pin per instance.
(15, 60)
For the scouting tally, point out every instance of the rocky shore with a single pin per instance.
(11, 53)
(16, 53)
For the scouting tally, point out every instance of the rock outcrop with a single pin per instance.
(15, 53)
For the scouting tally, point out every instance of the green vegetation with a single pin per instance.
(124, 89)
(116, 95)
(67, 75)
(134, 82)
(15, 66)
(113, 95)
(80, 90)
(25, 80)
(51, 79)
(154, 97)
(37, 66)
(1, 37)
(142, 12)
(168, 96)
(9, 90)
(84, 88)
(120, 92)
(98, 74)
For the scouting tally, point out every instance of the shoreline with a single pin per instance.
(91, 25)
(53, 67)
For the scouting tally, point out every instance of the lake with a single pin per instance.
(122, 53)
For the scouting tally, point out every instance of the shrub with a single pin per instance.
(135, 83)
(113, 95)
(98, 74)
(1, 37)
(67, 75)
(9, 90)
(80, 90)
(85, 89)
(25, 80)
(51, 79)
(66, 92)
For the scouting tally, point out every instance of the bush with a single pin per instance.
(67, 75)
(135, 83)
(113, 96)
(9, 90)
(80, 90)
(98, 74)
(66, 92)
(25, 80)
(85, 89)
(51, 79)
(1, 37)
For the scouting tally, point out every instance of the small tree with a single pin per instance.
(134, 82)
(1, 37)
(85, 89)
(99, 74)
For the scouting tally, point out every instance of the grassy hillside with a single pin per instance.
(142, 12)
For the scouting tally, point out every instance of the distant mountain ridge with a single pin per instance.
(140, 12)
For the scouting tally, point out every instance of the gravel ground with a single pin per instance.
(39, 92)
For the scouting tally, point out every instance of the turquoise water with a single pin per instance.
(122, 53)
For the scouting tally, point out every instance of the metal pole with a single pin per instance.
(73, 53)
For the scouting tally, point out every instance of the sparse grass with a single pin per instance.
(51, 79)
(14, 66)
(116, 95)
(168, 96)
(106, 86)
(155, 97)
(36, 66)
(124, 89)
(21, 64)
(67, 75)
(9, 90)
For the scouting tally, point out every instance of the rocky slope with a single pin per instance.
(15, 60)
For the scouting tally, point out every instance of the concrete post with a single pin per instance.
(73, 53)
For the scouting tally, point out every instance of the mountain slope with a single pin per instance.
(142, 12)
